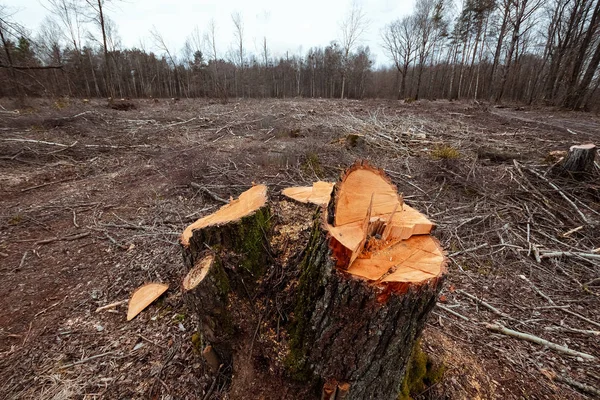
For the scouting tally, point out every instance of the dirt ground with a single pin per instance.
(93, 201)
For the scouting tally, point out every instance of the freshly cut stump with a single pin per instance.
(237, 234)
(335, 305)
(579, 160)
(239, 227)
(370, 277)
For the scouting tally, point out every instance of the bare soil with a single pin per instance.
(93, 201)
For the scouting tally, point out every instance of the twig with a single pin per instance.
(66, 238)
(453, 312)
(572, 231)
(553, 254)
(45, 184)
(538, 291)
(209, 193)
(540, 341)
(481, 246)
(564, 196)
(75, 219)
(86, 360)
(486, 305)
(578, 385)
(112, 305)
(212, 387)
(581, 317)
(47, 308)
(181, 123)
(569, 329)
(22, 261)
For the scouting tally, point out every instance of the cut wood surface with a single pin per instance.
(413, 260)
(319, 193)
(143, 297)
(248, 202)
(383, 239)
(198, 273)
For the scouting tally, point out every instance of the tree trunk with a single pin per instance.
(348, 331)
(347, 298)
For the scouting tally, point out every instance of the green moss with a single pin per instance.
(179, 318)
(252, 233)
(15, 219)
(222, 281)
(197, 342)
(297, 362)
(312, 164)
(421, 372)
(445, 152)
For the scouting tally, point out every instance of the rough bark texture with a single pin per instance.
(209, 300)
(241, 250)
(580, 159)
(349, 330)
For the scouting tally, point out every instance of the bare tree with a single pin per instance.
(97, 7)
(159, 41)
(240, 55)
(429, 24)
(522, 11)
(352, 29)
(399, 42)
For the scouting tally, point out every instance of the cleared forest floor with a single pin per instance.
(93, 200)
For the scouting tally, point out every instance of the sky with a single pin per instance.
(289, 26)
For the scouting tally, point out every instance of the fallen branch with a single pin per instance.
(112, 305)
(65, 238)
(45, 184)
(538, 291)
(581, 317)
(578, 385)
(453, 312)
(212, 195)
(181, 123)
(540, 341)
(481, 246)
(486, 305)
(555, 254)
(564, 196)
(86, 360)
(104, 146)
(569, 329)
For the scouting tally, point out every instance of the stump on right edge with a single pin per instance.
(579, 160)
(370, 276)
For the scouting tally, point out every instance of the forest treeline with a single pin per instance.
(527, 51)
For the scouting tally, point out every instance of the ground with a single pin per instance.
(93, 201)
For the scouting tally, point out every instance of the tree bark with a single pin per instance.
(579, 160)
(348, 330)
(205, 291)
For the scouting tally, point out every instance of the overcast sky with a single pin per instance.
(288, 25)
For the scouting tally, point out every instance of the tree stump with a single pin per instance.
(579, 160)
(370, 277)
(239, 227)
(347, 303)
